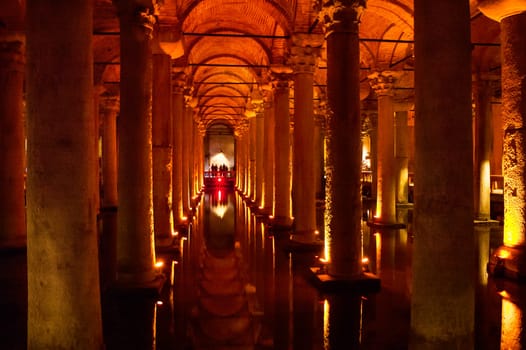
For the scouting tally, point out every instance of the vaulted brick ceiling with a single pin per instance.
(226, 46)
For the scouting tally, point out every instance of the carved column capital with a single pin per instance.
(178, 82)
(304, 52)
(140, 19)
(383, 82)
(109, 104)
(340, 15)
(281, 77)
(497, 10)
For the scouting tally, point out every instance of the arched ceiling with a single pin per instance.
(227, 46)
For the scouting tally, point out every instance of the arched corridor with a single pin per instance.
(360, 147)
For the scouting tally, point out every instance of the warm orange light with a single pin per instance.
(503, 254)
(159, 302)
(159, 264)
(175, 233)
(365, 260)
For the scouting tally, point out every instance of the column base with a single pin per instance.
(280, 223)
(380, 224)
(508, 262)
(164, 241)
(486, 222)
(404, 205)
(300, 243)
(365, 282)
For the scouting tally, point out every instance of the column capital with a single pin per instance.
(12, 56)
(498, 10)
(383, 82)
(281, 77)
(178, 82)
(139, 18)
(304, 52)
(109, 104)
(340, 15)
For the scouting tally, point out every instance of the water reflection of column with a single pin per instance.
(269, 274)
(282, 300)
(482, 244)
(304, 301)
(343, 321)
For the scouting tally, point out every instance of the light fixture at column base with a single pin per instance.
(509, 262)
(365, 282)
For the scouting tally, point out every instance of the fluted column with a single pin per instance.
(282, 184)
(343, 160)
(109, 110)
(511, 258)
(402, 157)
(442, 302)
(383, 84)
(178, 110)
(304, 52)
(162, 127)
(135, 249)
(63, 291)
(269, 144)
(12, 143)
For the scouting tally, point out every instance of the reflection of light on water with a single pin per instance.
(511, 324)
(326, 308)
(220, 210)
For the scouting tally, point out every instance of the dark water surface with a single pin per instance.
(233, 286)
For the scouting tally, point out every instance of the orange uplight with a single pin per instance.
(503, 254)
(365, 260)
(175, 233)
(159, 302)
(159, 264)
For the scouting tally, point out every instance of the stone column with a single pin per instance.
(187, 120)
(135, 248)
(343, 152)
(304, 53)
(12, 143)
(383, 84)
(178, 110)
(269, 144)
(442, 309)
(252, 136)
(483, 145)
(260, 164)
(109, 110)
(63, 302)
(162, 127)
(402, 157)
(282, 184)
(510, 258)
(319, 141)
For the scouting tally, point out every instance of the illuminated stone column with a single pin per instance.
(252, 133)
(135, 241)
(402, 157)
(282, 184)
(63, 294)
(304, 53)
(191, 157)
(511, 258)
(162, 127)
(186, 149)
(260, 164)
(12, 143)
(269, 144)
(442, 302)
(343, 147)
(383, 84)
(109, 111)
(319, 136)
(483, 137)
(178, 110)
